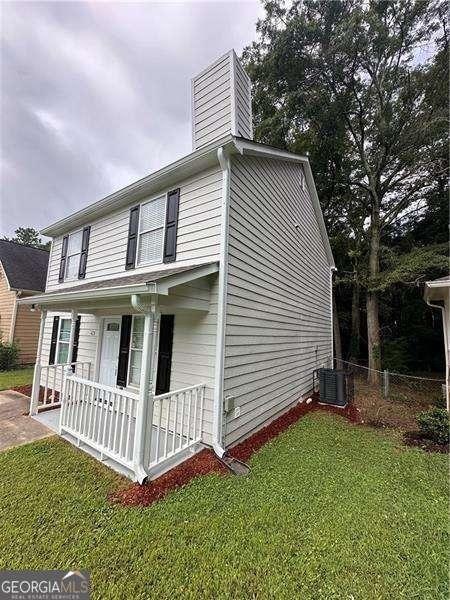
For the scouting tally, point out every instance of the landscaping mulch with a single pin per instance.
(23, 389)
(206, 462)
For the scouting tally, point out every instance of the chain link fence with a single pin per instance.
(390, 399)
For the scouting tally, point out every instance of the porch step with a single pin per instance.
(236, 466)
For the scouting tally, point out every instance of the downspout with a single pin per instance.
(217, 445)
(142, 440)
(332, 270)
(446, 341)
(12, 326)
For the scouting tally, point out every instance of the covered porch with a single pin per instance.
(119, 403)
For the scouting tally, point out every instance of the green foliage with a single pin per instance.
(419, 264)
(9, 356)
(396, 356)
(28, 236)
(434, 425)
(322, 527)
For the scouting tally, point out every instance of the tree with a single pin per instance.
(353, 75)
(28, 236)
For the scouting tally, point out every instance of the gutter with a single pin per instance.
(224, 161)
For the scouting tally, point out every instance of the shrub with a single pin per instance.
(396, 356)
(9, 356)
(434, 424)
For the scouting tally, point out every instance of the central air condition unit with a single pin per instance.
(335, 386)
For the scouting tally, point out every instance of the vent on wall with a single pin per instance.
(221, 102)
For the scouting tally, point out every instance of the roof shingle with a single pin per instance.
(24, 266)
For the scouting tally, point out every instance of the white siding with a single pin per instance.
(194, 349)
(221, 102)
(278, 318)
(197, 237)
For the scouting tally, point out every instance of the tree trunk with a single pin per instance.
(373, 325)
(336, 335)
(356, 324)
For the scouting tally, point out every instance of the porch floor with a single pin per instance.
(50, 418)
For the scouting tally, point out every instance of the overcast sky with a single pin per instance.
(96, 95)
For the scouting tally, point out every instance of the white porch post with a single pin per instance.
(37, 367)
(144, 414)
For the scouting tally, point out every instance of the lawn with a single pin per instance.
(10, 379)
(329, 511)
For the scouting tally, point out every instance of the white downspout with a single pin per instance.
(332, 270)
(144, 413)
(445, 327)
(224, 162)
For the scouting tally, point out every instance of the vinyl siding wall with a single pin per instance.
(211, 103)
(7, 303)
(243, 102)
(197, 237)
(278, 318)
(26, 333)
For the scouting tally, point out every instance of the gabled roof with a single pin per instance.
(25, 267)
(185, 167)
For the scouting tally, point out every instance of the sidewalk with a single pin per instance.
(15, 428)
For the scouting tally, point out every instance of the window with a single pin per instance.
(136, 345)
(73, 255)
(151, 231)
(62, 352)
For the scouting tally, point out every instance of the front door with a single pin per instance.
(109, 355)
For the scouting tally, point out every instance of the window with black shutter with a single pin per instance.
(133, 230)
(124, 350)
(62, 262)
(84, 252)
(54, 341)
(165, 354)
(170, 238)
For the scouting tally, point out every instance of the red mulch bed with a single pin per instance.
(206, 462)
(23, 389)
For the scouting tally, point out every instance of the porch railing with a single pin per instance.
(104, 418)
(100, 416)
(48, 383)
(177, 422)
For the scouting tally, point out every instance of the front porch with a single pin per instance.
(122, 405)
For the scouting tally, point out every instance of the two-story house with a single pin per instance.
(192, 306)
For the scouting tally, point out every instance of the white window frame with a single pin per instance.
(130, 348)
(140, 233)
(59, 341)
(66, 278)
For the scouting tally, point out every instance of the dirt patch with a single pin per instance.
(205, 462)
(415, 440)
(23, 389)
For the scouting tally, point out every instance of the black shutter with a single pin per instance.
(170, 238)
(54, 341)
(75, 342)
(124, 349)
(62, 262)
(164, 354)
(84, 252)
(132, 238)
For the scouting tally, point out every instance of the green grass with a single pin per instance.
(10, 379)
(329, 511)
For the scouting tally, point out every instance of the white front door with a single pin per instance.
(109, 355)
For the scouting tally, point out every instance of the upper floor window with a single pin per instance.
(73, 255)
(151, 231)
(74, 252)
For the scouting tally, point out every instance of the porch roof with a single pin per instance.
(151, 282)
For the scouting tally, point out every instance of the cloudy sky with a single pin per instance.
(96, 95)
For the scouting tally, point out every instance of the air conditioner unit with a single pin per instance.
(335, 386)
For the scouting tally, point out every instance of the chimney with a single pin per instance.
(221, 102)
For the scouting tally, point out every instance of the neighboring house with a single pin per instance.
(195, 303)
(437, 294)
(23, 271)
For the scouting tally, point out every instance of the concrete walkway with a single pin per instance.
(15, 428)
